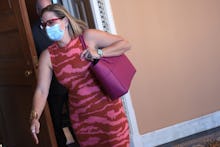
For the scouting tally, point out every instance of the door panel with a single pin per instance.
(18, 79)
(12, 63)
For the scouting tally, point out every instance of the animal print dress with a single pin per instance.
(96, 119)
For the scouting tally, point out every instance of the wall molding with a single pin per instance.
(103, 17)
(181, 130)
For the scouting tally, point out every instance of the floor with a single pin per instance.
(210, 138)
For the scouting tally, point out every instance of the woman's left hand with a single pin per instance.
(90, 54)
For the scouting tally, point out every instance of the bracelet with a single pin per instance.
(34, 115)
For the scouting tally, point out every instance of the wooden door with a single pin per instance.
(17, 78)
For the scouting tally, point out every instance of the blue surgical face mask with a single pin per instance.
(54, 32)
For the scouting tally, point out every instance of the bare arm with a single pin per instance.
(43, 84)
(111, 45)
(41, 92)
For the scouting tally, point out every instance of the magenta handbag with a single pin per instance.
(113, 73)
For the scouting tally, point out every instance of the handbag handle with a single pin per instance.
(83, 42)
(85, 47)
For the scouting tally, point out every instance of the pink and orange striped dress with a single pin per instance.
(97, 121)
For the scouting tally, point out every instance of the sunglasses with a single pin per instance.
(49, 22)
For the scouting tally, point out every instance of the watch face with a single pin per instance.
(99, 51)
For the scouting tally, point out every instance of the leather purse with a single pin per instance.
(113, 73)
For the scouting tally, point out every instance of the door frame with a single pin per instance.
(34, 59)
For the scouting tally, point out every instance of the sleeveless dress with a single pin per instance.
(96, 119)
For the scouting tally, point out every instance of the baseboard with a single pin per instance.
(181, 130)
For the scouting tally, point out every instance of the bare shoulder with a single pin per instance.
(45, 54)
(91, 33)
(100, 38)
(94, 33)
(45, 58)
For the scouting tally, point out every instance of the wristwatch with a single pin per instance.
(100, 52)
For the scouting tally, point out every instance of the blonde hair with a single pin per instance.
(75, 27)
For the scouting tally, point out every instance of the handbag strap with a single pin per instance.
(85, 47)
(82, 41)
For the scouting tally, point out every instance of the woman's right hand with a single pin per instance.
(35, 129)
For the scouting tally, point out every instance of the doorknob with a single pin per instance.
(27, 73)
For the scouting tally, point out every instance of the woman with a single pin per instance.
(96, 119)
